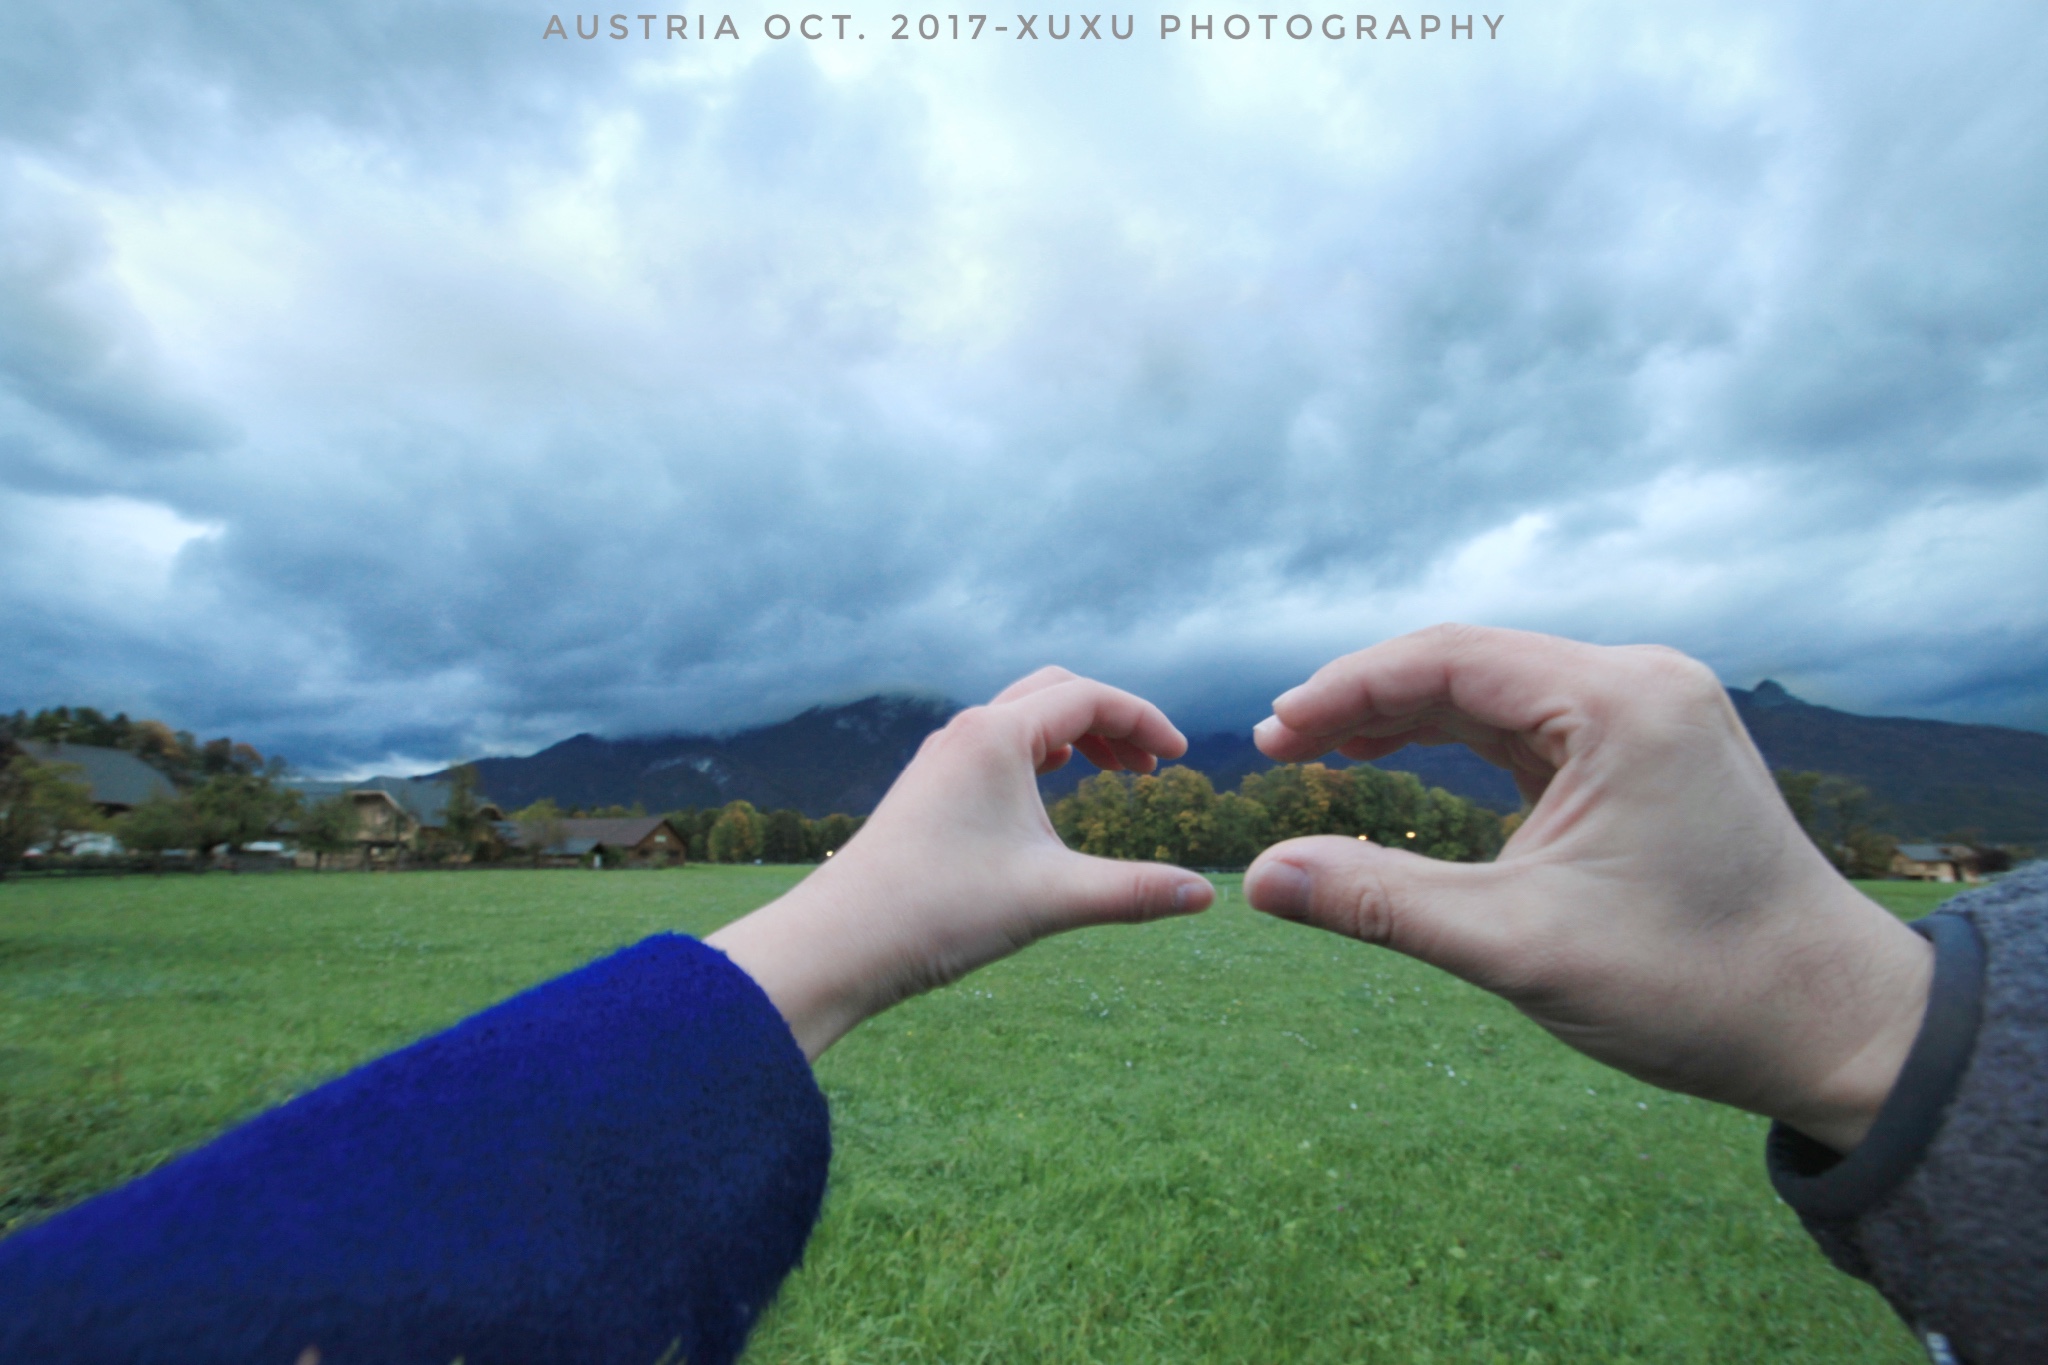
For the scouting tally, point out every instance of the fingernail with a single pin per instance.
(1189, 897)
(1267, 728)
(1280, 889)
(1285, 697)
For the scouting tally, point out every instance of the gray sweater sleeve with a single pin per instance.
(1944, 1207)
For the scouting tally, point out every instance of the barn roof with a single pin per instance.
(424, 799)
(615, 832)
(584, 835)
(117, 777)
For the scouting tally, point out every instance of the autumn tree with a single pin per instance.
(1096, 819)
(1301, 799)
(1240, 829)
(735, 836)
(1177, 816)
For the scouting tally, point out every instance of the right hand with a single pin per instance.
(1659, 909)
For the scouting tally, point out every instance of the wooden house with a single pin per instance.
(1936, 863)
(625, 841)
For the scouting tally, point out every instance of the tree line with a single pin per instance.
(179, 755)
(1845, 823)
(228, 794)
(737, 832)
(223, 793)
(1178, 816)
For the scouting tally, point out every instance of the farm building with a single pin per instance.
(119, 780)
(394, 814)
(1936, 863)
(628, 841)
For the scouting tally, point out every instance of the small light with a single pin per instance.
(1363, 840)
(1411, 834)
(830, 851)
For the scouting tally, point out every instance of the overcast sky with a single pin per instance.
(382, 382)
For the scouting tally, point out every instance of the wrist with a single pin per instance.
(1839, 1108)
(801, 952)
(1824, 1183)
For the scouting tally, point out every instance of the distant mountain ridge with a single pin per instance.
(1932, 778)
(839, 758)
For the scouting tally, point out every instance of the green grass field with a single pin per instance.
(1217, 1139)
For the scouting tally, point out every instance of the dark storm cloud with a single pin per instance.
(384, 381)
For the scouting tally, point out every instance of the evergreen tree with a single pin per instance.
(782, 837)
(461, 821)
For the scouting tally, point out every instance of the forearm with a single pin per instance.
(623, 1158)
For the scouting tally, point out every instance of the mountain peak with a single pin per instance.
(1770, 695)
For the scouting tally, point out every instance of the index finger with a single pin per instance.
(1481, 685)
(1066, 711)
(1049, 676)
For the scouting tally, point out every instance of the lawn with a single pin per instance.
(1223, 1138)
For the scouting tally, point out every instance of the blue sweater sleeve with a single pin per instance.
(619, 1165)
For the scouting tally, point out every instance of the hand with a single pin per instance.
(959, 865)
(1659, 909)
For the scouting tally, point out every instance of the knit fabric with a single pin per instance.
(1958, 1247)
(620, 1165)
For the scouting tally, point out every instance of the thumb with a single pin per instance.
(1452, 915)
(1111, 891)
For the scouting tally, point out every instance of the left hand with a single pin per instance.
(959, 865)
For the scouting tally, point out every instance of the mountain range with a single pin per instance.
(1930, 778)
(830, 758)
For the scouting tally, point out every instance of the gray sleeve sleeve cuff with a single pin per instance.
(1944, 1206)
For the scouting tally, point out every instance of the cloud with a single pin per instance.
(523, 387)
(104, 556)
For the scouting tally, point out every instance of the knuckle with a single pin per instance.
(1148, 896)
(1367, 912)
(973, 728)
(1677, 673)
(1455, 637)
(970, 723)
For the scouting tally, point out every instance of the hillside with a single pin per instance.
(1932, 778)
